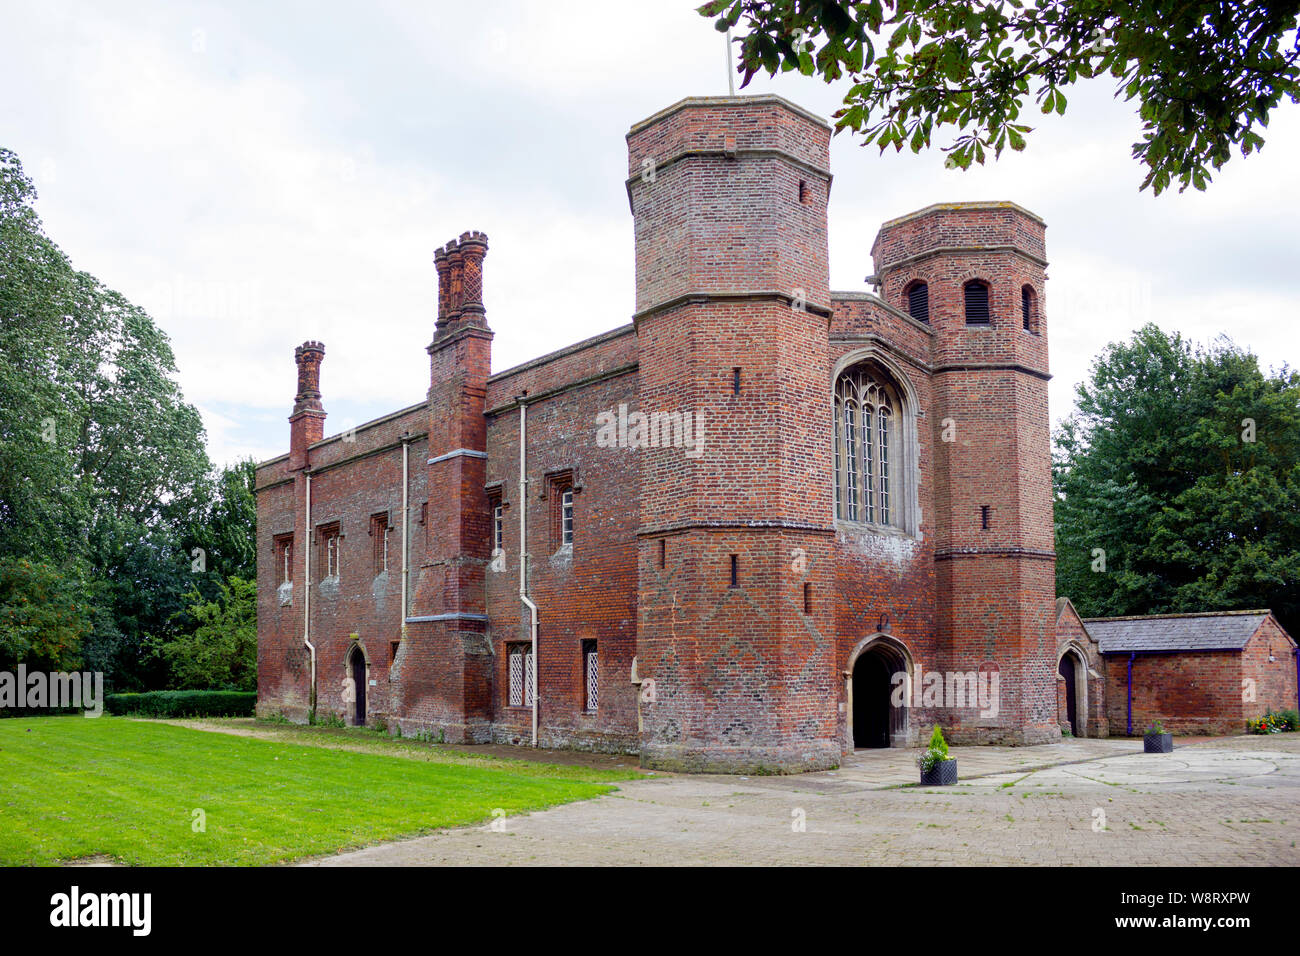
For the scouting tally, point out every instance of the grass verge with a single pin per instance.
(72, 787)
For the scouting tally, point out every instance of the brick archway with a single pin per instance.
(356, 667)
(1072, 666)
(871, 690)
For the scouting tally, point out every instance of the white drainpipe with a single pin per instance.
(306, 603)
(523, 549)
(406, 573)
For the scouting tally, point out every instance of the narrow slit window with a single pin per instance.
(566, 517)
(590, 677)
(1027, 307)
(735, 380)
(663, 552)
(851, 459)
(984, 517)
(379, 538)
(807, 598)
(868, 467)
(884, 418)
(735, 571)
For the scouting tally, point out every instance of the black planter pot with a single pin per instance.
(1158, 743)
(942, 774)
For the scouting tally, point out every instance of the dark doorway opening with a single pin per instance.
(1067, 670)
(877, 721)
(359, 681)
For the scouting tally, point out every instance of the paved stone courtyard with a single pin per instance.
(1227, 801)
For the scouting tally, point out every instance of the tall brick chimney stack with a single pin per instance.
(460, 282)
(442, 262)
(473, 249)
(307, 423)
(448, 622)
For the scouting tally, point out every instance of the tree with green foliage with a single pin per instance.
(224, 525)
(219, 650)
(103, 472)
(43, 617)
(1205, 74)
(1177, 483)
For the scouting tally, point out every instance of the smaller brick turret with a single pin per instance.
(307, 423)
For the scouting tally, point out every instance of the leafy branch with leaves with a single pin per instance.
(1205, 74)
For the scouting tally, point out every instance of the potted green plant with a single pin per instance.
(937, 768)
(1156, 741)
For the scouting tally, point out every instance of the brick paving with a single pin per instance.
(1228, 801)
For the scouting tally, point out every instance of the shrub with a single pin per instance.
(183, 703)
(1157, 728)
(1274, 723)
(937, 752)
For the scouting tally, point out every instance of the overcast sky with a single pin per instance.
(259, 174)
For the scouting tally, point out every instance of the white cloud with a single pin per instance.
(256, 179)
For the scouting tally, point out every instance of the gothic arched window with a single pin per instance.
(866, 447)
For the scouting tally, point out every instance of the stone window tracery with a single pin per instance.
(866, 436)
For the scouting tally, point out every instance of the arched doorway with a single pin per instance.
(357, 668)
(1067, 669)
(878, 721)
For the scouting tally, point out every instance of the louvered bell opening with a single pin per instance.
(1027, 307)
(977, 303)
(918, 302)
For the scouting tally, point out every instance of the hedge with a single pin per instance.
(183, 703)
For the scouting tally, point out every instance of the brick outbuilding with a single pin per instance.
(1195, 673)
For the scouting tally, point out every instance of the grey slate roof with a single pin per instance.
(1226, 630)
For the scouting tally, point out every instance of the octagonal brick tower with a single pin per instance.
(735, 631)
(993, 543)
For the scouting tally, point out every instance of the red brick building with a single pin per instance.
(1195, 673)
(760, 525)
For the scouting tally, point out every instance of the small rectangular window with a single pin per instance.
(735, 380)
(560, 488)
(498, 533)
(807, 598)
(392, 651)
(663, 552)
(519, 661)
(590, 677)
(566, 517)
(984, 517)
(735, 571)
(331, 542)
(379, 539)
(284, 558)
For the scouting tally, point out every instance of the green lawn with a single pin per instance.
(73, 787)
